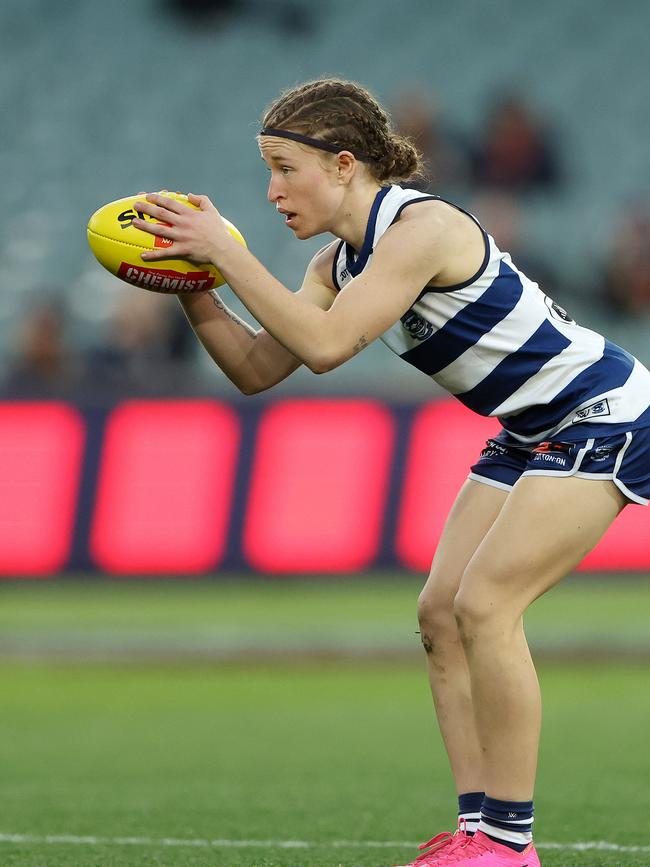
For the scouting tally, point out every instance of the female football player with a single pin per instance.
(422, 274)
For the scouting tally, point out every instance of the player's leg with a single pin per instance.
(546, 527)
(473, 513)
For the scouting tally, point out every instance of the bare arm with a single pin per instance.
(409, 255)
(252, 359)
(415, 251)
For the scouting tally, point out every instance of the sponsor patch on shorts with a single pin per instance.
(552, 453)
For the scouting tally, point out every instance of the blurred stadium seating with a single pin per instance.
(100, 100)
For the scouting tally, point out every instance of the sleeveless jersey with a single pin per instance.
(504, 348)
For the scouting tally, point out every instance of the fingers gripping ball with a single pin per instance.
(118, 245)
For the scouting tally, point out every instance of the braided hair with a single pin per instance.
(345, 114)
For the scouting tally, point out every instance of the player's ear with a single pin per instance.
(345, 166)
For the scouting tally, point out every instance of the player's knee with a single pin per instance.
(435, 610)
(472, 612)
(436, 619)
(486, 602)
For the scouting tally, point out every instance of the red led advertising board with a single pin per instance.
(41, 447)
(319, 486)
(164, 487)
(196, 487)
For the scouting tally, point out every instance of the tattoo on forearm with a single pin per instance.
(233, 316)
(360, 344)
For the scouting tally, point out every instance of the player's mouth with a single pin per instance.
(288, 216)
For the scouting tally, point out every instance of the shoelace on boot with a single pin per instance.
(470, 847)
(449, 842)
(434, 845)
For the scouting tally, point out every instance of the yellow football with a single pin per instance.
(117, 245)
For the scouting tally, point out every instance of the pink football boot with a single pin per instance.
(442, 846)
(482, 851)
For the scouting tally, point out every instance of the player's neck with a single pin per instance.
(352, 219)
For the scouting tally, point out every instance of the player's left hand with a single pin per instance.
(197, 235)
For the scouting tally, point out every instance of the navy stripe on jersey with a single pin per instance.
(356, 266)
(612, 370)
(644, 419)
(515, 369)
(467, 327)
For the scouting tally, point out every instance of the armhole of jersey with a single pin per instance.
(486, 242)
(335, 266)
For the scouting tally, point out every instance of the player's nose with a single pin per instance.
(274, 193)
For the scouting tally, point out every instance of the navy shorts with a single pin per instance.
(624, 458)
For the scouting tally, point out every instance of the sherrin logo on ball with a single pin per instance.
(118, 245)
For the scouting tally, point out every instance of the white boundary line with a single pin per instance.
(70, 839)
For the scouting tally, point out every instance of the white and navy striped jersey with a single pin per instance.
(504, 348)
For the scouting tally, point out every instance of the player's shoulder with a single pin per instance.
(326, 253)
(422, 222)
(436, 221)
(431, 211)
(322, 263)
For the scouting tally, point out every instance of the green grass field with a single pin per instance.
(187, 724)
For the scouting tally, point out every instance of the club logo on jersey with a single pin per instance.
(600, 408)
(417, 326)
(557, 311)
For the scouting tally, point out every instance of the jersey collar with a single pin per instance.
(356, 266)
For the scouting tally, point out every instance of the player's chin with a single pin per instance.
(303, 232)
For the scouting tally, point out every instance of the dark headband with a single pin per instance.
(314, 143)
